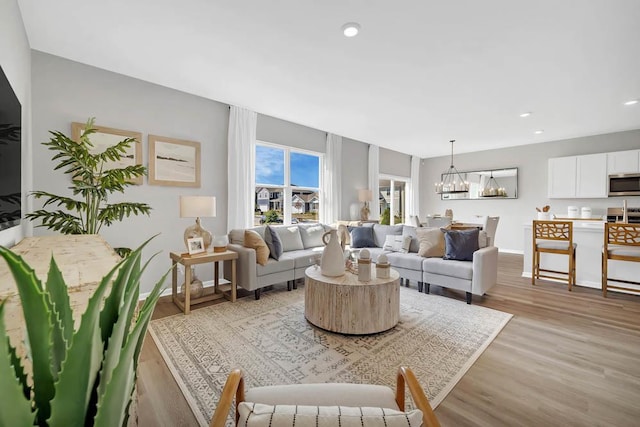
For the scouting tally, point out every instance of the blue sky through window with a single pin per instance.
(305, 170)
(269, 165)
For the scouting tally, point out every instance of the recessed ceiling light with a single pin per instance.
(538, 132)
(632, 102)
(351, 29)
(527, 114)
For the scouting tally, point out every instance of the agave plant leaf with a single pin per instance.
(15, 409)
(39, 330)
(21, 375)
(62, 317)
(117, 395)
(80, 368)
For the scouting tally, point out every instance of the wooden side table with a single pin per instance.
(219, 291)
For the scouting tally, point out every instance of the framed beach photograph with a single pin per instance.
(105, 137)
(195, 245)
(174, 162)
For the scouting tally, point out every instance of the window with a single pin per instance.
(393, 198)
(287, 185)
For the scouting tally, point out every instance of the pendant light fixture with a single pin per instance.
(492, 189)
(452, 181)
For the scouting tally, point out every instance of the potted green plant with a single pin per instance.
(82, 377)
(92, 181)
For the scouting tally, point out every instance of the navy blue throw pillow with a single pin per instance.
(460, 244)
(362, 237)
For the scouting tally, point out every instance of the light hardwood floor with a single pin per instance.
(564, 359)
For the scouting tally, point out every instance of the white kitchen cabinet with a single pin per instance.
(623, 162)
(562, 178)
(591, 176)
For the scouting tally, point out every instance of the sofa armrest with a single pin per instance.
(245, 267)
(485, 270)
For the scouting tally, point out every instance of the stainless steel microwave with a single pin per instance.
(625, 184)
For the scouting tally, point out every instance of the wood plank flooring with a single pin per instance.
(564, 359)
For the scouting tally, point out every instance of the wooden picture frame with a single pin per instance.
(174, 162)
(195, 245)
(105, 137)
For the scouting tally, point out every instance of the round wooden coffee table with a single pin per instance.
(345, 305)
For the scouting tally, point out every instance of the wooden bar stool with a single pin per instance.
(621, 243)
(553, 237)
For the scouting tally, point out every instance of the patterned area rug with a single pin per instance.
(271, 341)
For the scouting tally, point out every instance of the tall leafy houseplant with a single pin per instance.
(92, 181)
(82, 377)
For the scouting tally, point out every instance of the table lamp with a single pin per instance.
(197, 207)
(365, 196)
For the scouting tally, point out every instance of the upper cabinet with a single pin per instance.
(623, 162)
(578, 177)
(562, 178)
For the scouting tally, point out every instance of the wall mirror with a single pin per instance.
(488, 184)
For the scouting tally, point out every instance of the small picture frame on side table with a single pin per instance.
(195, 245)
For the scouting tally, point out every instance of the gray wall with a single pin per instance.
(395, 163)
(531, 161)
(15, 59)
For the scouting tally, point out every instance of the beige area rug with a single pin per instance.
(271, 341)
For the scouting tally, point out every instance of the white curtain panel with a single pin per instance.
(331, 205)
(374, 181)
(413, 199)
(241, 167)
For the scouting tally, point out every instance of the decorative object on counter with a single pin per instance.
(364, 266)
(196, 289)
(452, 181)
(383, 267)
(365, 196)
(448, 213)
(220, 243)
(492, 188)
(572, 212)
(625, 212)
(543, 213)
(196, 207)
(332, 263)
(585, 212)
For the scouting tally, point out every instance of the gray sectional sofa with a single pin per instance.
(303, 243)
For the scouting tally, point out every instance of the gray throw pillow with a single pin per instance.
(272, 240)
(362, 237)
(460, 245)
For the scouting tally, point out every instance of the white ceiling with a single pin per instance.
(420, 72)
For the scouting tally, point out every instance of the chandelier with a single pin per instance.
(492, 189)
(452, 181)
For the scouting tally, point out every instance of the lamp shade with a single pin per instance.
(197, 206)
(365, 195)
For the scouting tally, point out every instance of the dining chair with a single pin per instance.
(553, 237)
(490, 225)
(621, 243)
(438, 221)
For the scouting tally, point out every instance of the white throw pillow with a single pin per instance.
(260, 415)
(397, 243)
(289, 236)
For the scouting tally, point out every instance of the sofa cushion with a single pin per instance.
(397, 243)
(304, 257)
(311, 235)
(445, 267)
(272, 240)
(460, 244)
(406, 261)
(362, 237)
(408, 230)
(261, 415)
(273, 266)
(380, 233)
(289, 236)
(253, 240)
(236, 236)
(431, 242)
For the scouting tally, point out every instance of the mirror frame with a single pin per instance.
(484, 172)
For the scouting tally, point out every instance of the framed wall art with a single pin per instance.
(174, 162)
(105, 137)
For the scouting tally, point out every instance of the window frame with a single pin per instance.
(287, 188)
(392, 179)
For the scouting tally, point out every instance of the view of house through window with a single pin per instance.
(393, 192)
(287, 185)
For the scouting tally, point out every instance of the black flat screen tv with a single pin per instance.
(10, 155)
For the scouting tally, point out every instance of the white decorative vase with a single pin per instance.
(354, 211)
(544, 216)
(332, 261)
